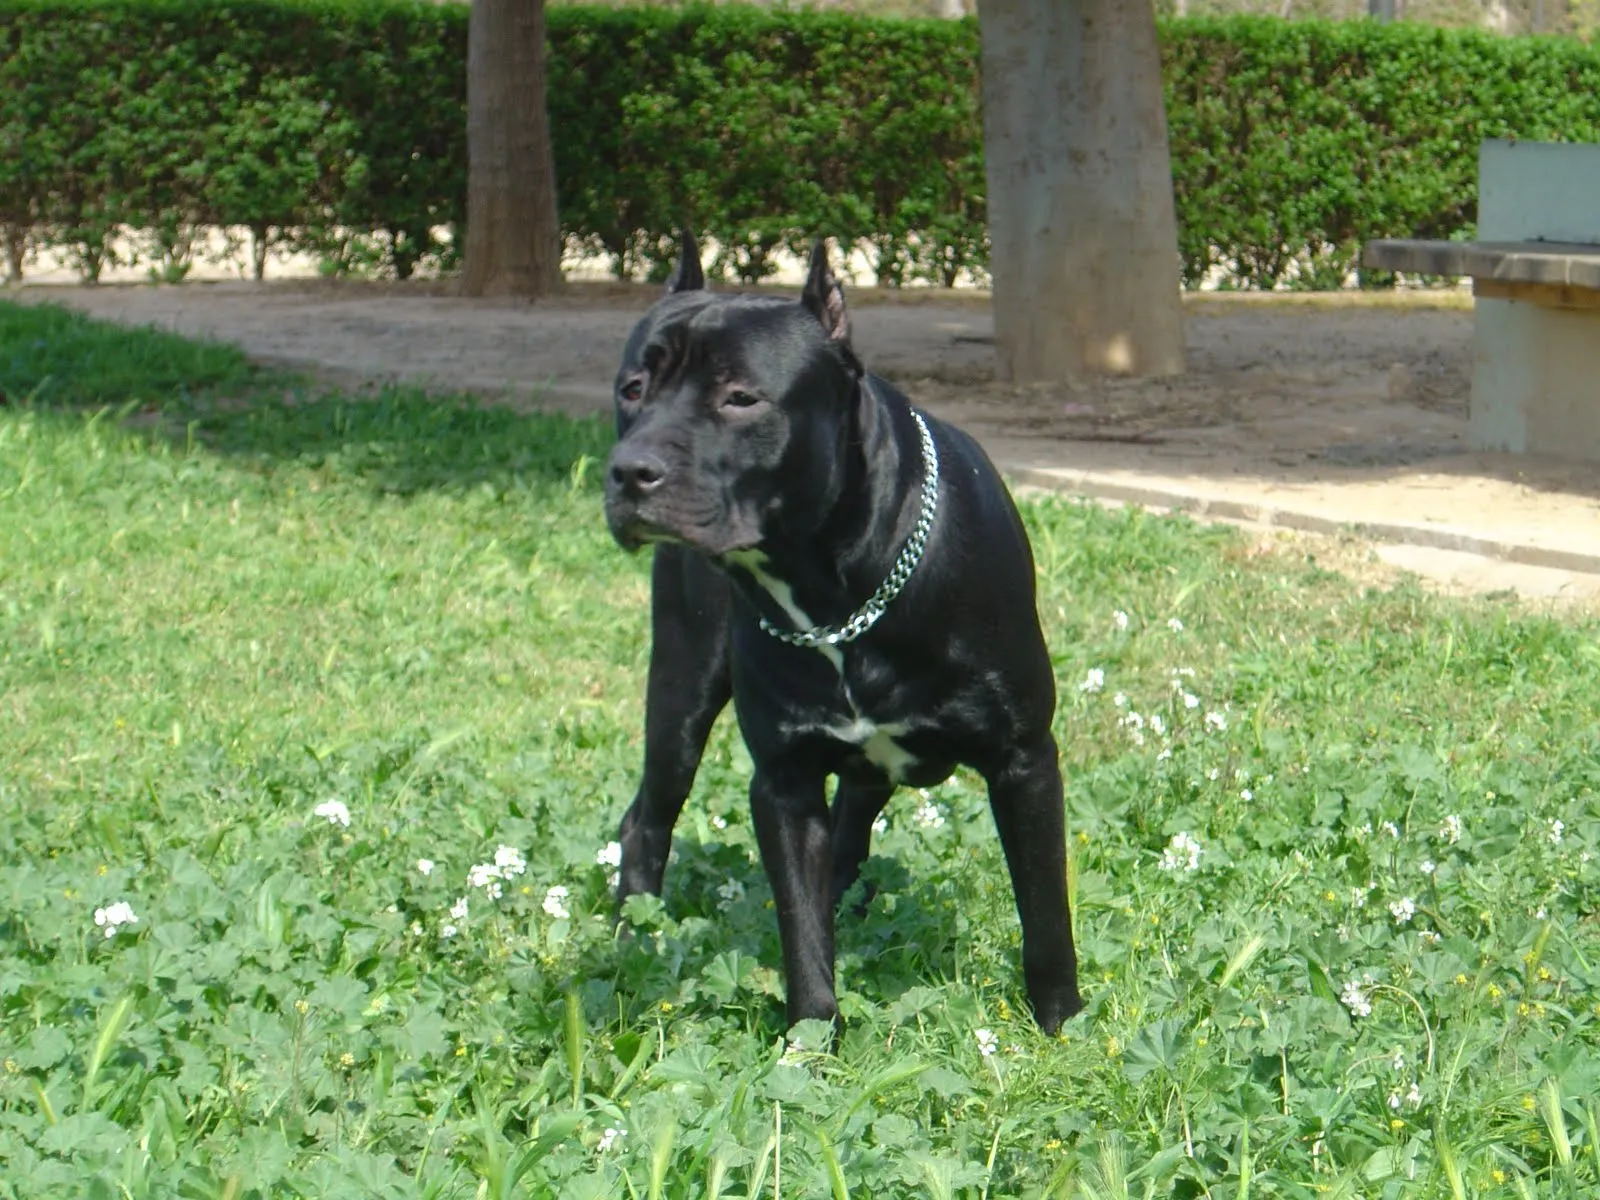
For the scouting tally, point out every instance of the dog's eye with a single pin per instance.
(741, 399)
(633, 389)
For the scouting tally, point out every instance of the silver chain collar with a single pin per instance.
(865, 617)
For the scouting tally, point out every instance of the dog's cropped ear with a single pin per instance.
(824, 296)
(687, 276)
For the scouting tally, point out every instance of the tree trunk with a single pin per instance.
(15, 240)
(513, 234)
(1081, 222)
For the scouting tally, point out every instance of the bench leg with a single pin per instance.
(1536, 379)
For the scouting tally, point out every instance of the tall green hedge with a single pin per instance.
(340, 125)
(1294, 142)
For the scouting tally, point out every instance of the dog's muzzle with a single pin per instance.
(633, 476)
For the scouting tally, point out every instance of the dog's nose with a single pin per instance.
(637, 472)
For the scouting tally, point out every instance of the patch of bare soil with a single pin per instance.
(1296, 382)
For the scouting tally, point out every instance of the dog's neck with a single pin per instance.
(800, 581)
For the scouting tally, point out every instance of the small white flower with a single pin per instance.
(448, 930)
(610, 1138)
(719, 822)
(114, 917)
(416, 929)
(1175, 625)
(1414, 1096)
(1164, 755)
(1182, 854)
(988, 1043)
(1391, 829)
(334, 811)
(481, 875)
(1120, 699)
(1190, 700)
(1403, 909)
(1355, 998)
(1358, 896)
(458, 910)
(1120, 620)
(492, 889)
(1246, 795)
(1214, 774)
(881, 825)
(1428, 937)
(731, 892)
(1157, 725)
(510, 861)
(555, 902)
(425, 866)
(610, 855)
(1093, 681)
(1427, 866)
(1131, 721)
(1394, 1101)
(1557, 828)
(1540, 913)
(1398, 1062)
(1241, 775)
(1450, 831)
(929, 816)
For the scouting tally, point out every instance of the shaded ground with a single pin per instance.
(1336, 410)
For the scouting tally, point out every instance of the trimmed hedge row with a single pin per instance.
(1295, 142)
(339, 125)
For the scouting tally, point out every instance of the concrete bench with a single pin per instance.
(1536, 288)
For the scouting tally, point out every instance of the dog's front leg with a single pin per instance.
(689, 684)
(1026, 798)
(790, 813)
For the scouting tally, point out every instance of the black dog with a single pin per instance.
(880, 624)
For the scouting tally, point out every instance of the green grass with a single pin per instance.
(228, 600)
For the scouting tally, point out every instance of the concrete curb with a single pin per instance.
(1437, 537)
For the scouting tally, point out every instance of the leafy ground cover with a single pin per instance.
(319, 712)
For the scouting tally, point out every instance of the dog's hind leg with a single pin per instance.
(856, 806)
(689, 684)
(1025, 796)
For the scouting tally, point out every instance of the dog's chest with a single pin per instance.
(877, 743)
(855, 710)
(864, 719)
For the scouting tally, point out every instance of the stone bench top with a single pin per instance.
(1562, 264)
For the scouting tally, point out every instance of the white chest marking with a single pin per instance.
(878, 744)
(783, 595)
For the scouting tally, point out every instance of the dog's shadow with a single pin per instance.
(895, 931)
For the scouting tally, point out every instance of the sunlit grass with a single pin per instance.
(228, 601)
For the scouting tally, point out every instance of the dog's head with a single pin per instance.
(733, 414)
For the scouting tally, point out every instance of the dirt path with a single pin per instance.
(1304, 413)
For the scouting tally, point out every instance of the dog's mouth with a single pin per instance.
(633, 530)
(635, 535)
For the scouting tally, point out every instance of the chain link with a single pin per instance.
(865, 617)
